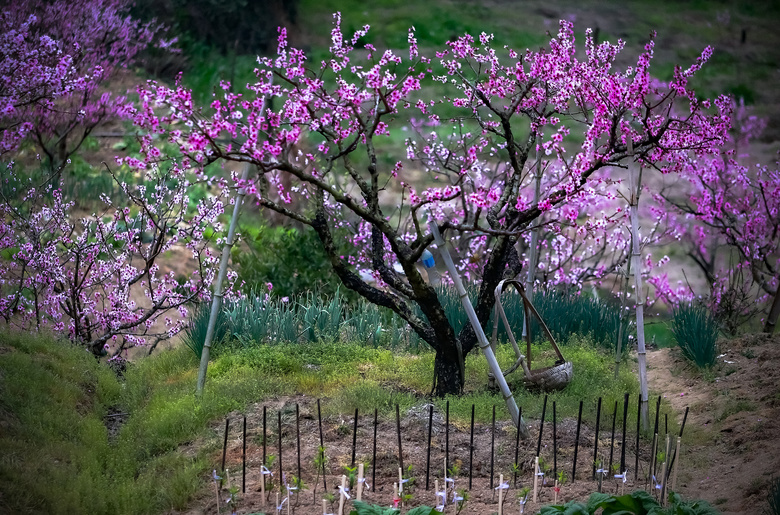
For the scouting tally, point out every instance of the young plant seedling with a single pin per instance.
(459, 498)
(522, 496)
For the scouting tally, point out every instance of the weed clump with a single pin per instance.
(696, 332)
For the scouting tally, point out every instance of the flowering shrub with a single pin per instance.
(95, 279)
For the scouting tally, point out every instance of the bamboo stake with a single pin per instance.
(500, 494)
(401, 485)
(359, 495)
(676, 464)
(555, 492)
(532, 250)
(601, 473)
(324, 507)
(635, 187)
(481, 338)
(471, 445)
(536, 478)
(664, 470)
(437, 493)
(262, 484)
(342, 491)
(621, 318)
(396, 498)
(216, 489)
(216, 300)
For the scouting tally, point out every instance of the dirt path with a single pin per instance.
(730, 447)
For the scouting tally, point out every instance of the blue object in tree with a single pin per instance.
(427, 259)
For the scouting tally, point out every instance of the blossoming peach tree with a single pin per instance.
(482, 114)
(77, 275)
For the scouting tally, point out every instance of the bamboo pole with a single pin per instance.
(676, 464)
(621, 318)
(481, 338)
(359, 494)
(342, 492)
(532, 250)
(501, 494)
(635, 187)
(536, 478)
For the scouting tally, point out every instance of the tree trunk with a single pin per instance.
(774, 311)
(446, 374)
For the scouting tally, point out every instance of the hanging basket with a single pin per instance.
(545, 379)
